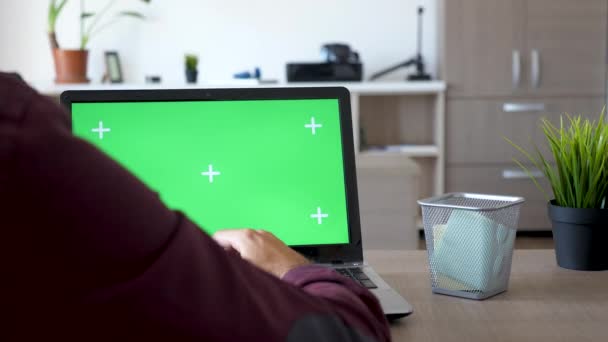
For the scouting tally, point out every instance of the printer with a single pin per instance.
(339, 64)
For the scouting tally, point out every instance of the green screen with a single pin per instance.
(268, 164)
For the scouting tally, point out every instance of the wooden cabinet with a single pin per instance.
(522, 47)
(566, 47)
(508, 63)
(483, 38)
(476, 128)
(480, 160)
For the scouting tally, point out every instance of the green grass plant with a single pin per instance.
(191, 62)
(579, 174)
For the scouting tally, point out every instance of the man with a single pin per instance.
(90, 253)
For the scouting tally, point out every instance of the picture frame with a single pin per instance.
(113, 68)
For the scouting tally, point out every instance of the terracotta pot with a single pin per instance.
(71, 66)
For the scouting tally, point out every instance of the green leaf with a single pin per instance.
(534, 161)
(132, 14)
(191, 61)
(579, 147)
(534, 180)
(61, 6)
(54, 12)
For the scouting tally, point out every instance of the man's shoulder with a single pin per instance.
(15, 95)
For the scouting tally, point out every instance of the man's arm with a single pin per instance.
(89, 253)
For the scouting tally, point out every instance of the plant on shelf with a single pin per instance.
(70, 64)
(578, 175)
(191, 62)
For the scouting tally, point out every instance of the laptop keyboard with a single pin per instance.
(356, 274)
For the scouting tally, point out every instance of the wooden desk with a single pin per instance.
(543, 303)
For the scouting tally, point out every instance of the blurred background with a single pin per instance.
(228, 35)
(481, 71)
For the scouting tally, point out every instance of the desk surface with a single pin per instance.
(543, 303)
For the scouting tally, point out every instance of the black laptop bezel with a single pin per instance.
(339, 253)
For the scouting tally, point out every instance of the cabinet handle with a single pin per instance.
(535, 69)
(516, 69)
(523, 107)
(520, 174)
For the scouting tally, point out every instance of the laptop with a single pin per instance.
(279, 159)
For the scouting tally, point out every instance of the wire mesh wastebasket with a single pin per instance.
(469, 239)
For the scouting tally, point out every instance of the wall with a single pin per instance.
(229, 35)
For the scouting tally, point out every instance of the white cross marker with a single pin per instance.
(100, 130)
(319, 216)
(210, 173)
(313, 125)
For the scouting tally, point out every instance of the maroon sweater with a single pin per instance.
(88, 252)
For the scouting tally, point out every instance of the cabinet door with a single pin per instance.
(475, 129)
(566, 46)
(483, 42)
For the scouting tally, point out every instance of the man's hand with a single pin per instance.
(262, 249)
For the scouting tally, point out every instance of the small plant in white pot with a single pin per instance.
(578, 174)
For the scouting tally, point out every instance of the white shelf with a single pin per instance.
(399, 93)
(398, 88)
(361, 88)
(406, 150)
(382, 88)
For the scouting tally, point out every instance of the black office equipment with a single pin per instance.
(417, 60)
(339, 53)
(341, 63)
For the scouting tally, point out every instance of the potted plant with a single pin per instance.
(71, 64)
(578, 175)
(191, 68)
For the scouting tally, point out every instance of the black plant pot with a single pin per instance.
(191, 76)
(581, 237)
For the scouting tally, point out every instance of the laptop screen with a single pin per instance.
(265, 164)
